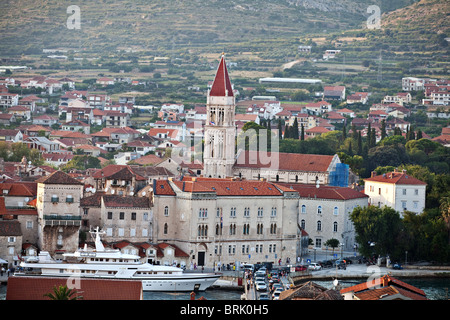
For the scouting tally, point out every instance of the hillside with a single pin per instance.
(106, 25)
(429, 14)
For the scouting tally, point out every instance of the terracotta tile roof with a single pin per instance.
(126, 202)
(115, 171)
(363, 290)
(228, 187)
(290, 162)
(396, 178)
(17, 189)
(149, 159)
(221, 86)
(178, 251)
(58, 177)
(310, 291)
(325, 192)
(162, 187)
(34, 288)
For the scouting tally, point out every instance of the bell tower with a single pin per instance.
(220, 129)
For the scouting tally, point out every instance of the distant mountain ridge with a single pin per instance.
(30, 26)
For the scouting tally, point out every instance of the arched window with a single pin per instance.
(303, 224)
(336, 211)
(166, 211)
(319, 225)
(303, 208)
(319, 209)
(166, 228)
(335, 227)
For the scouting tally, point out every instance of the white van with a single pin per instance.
(248, 266)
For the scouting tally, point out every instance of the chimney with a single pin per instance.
(385, 281)
(373, 174)
(404, 171)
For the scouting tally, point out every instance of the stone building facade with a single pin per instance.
(59, 219)
(227, 220)
(324, 213)
(397, 190)
(121, 217)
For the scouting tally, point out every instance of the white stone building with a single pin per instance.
(227, 220)
(397, 190)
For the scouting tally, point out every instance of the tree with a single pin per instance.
(302, 133)
(63, 293)
(333, 243)
(295, 129)
(376, 229)
(383, 129)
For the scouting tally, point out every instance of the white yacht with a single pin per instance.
(102, 263)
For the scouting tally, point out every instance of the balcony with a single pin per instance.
(60, 220)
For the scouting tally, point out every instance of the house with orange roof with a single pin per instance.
(383, 288)
(21, 112)
(316, 131)
(397, 190)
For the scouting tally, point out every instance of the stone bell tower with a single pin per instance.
(220, 129)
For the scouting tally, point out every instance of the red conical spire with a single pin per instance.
(221, 86)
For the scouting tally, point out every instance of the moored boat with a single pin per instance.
(102, 263)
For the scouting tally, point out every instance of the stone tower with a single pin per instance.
(220, 129)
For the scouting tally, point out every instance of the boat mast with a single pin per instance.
(98, 242)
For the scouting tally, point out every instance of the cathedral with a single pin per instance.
(221, 160)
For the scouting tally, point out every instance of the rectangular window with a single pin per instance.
(404, 192)
(133, 216)
(122, 215)
(110, 215)
(404, 205)
(121, 232)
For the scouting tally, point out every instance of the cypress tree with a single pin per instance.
(295, 129)
(359, 143)
(302, 134)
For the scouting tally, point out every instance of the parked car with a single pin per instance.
(276, 294)
(300, 268)
(314, 266)
(260, 286)
(397, 266)
(264, 296)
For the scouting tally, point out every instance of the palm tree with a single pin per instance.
(63, 293)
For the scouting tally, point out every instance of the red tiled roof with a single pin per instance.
(17, 189)
(290, 162)
(325, 192)
(116, 171)
(34, 288)
(162, 187)
(228, 187)
(396, 178)
(362, 290)
(221, 86)
(58, 177)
